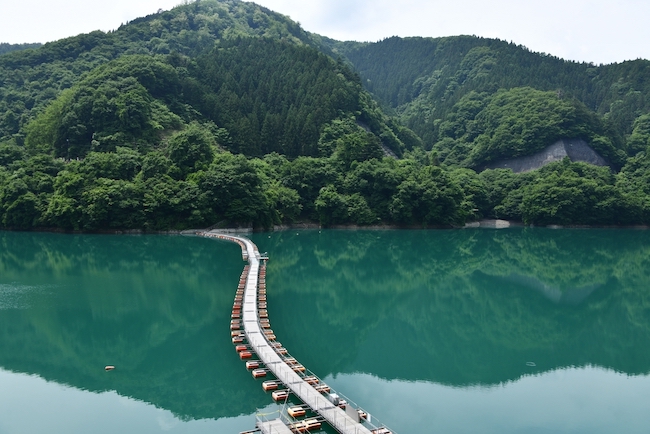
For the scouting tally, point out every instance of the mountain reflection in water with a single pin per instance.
(554, 293)
(459, 308)
(456, 307)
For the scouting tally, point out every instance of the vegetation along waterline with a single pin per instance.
(224, 112)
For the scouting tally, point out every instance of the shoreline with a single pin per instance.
(481, 224)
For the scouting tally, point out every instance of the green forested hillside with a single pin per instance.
(483, 128)
(135, 143)
(223, 112)
(7, 48)
(31, 78)
(423, 79)
(269, 95)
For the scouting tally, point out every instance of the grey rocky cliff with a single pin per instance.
(575, 149)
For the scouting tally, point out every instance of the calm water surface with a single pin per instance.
(512, 331)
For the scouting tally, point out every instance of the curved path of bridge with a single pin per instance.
(276, 363)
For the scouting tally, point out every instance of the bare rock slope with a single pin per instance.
(575, 149)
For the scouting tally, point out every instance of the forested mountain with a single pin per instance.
(7, 48)
(222, 111)
(456, 92)
(32, 78)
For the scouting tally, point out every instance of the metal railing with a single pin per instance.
(265, 349)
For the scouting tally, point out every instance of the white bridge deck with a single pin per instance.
(335, 416)
(275, 426)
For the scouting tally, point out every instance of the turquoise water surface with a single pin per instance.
(512, 331)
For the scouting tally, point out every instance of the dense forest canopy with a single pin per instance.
(423, 78)
(224, 112)
(7, 48)
(511, 123)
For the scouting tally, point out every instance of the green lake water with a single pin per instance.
(525, 330)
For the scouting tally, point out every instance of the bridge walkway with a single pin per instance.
(334, 415)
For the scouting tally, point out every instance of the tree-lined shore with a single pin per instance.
(224, 112)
